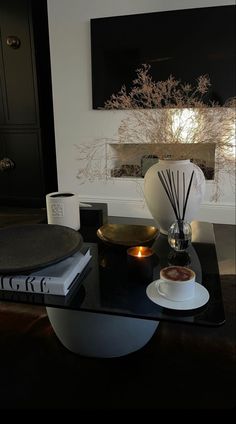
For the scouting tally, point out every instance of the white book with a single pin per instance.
(55, 279)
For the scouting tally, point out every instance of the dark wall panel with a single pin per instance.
(25, 179)
(18, 63)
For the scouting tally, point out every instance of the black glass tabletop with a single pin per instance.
(108, 285)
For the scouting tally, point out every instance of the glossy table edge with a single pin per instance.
(203, 234)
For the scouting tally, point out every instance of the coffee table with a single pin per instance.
(109, 315)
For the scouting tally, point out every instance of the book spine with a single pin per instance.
(46, 299)
(31, 284)
(41, 284)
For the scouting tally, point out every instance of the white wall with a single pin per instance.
(75, 121)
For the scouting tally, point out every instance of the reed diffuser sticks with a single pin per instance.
(171, 186)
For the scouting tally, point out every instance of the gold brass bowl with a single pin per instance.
(127, 235)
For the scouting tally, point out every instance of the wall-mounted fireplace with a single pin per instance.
(133, 160)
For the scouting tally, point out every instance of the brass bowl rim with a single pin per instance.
(136, 240)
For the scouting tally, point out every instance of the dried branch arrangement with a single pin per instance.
(148, 94)
(171, 112)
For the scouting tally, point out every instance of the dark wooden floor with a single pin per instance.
(21, 216)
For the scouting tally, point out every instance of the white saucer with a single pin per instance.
(201, 298)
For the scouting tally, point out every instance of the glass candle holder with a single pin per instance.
(180, 235)
(140, 263)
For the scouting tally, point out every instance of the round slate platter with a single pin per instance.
(29, 247)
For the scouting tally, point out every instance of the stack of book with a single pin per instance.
(56, 279)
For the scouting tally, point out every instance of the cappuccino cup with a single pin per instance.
(177, 283)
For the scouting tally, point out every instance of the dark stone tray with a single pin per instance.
(29, 247)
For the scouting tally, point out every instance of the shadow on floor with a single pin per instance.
(183, 367)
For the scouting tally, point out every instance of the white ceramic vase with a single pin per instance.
(157, 200)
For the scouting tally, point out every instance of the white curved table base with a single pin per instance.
(100, 335)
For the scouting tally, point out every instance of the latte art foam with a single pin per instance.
(177, 273)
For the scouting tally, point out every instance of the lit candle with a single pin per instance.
(140, 263)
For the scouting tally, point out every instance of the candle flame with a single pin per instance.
(140, 251)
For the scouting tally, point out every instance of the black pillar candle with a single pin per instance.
(140, 264)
